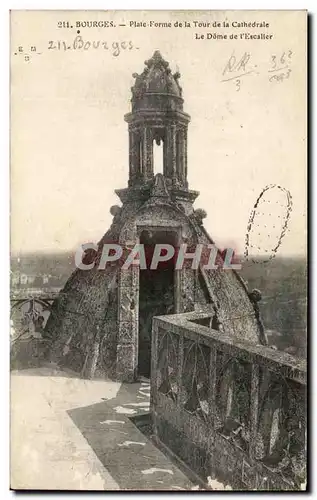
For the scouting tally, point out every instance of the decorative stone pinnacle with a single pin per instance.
(156, 61)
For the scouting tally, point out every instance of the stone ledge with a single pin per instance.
(183, 324)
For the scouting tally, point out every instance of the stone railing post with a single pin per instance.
(181, 396)
(154, 376)
(212, 393)
(254, 409)
(154, 362)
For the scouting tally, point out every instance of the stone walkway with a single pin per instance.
(74, 434)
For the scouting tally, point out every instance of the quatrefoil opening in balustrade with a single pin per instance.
(281, 437)
(195, 378)
(233, 400)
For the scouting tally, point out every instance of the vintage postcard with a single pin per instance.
(158, 250)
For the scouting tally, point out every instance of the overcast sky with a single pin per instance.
(70, 142)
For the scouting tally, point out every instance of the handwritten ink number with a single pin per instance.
(238, 85)
(273, 58)
(282, 58)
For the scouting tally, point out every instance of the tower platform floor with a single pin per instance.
(74, 434)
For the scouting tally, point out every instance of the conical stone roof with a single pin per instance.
(156, 78)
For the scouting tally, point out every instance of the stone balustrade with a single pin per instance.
(227, 409)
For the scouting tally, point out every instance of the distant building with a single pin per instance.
(15, 278)
(24, 279)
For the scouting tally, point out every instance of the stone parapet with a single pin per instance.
(230, 410)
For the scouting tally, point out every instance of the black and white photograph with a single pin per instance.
(158, 254)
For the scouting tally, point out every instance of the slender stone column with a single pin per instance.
(165, 157)
(127, 340)
(181, 159)
(133, 156)
(173, 153)
(147, 149)
(185, 156)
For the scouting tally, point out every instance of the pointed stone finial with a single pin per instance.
(157, 56)
(156, 61)
(159, 188)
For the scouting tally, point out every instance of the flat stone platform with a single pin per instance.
(73, 434)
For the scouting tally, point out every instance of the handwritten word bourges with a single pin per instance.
(80, 44)
(77, 44)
